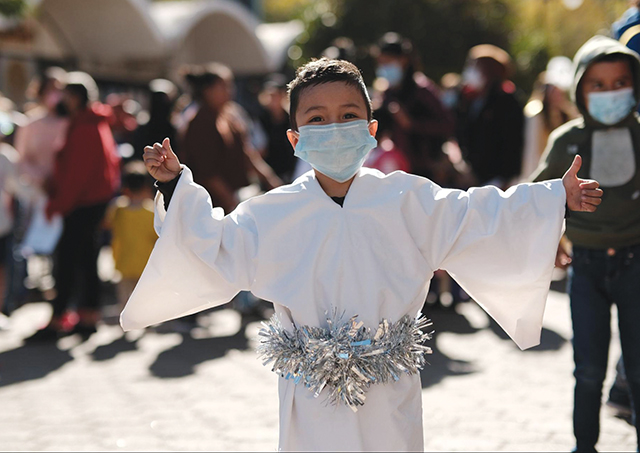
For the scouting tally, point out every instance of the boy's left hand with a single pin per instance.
(582, 194)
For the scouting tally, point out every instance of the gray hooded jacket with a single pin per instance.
(610, 154)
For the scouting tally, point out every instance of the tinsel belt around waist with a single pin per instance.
(346, 358)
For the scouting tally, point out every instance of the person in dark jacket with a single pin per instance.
(605, 258)
(85, 179)
(411, 109)
(490, 119)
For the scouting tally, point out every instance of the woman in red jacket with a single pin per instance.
(86, 177)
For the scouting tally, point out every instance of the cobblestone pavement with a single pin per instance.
(208, 391)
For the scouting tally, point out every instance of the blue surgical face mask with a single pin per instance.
(336, 150)
(392, 72)
(611, 107)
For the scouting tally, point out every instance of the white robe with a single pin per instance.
(373, 257)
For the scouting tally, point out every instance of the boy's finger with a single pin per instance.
(592, 200)
(589, 184)
(166, 144)
(592, 192)
(153, 161)
(151, 153)
(575, 165)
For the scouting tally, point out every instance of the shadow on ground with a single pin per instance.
(111, 350)
(30, 362)
(439, 365)
(181, 360)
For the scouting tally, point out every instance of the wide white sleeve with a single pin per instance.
(201, 259)
(501, 247)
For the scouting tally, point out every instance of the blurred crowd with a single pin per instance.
(74, 188)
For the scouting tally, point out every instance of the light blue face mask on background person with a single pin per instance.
(336, 150)
(611, 107)
(391, 72)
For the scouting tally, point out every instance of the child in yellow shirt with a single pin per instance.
(130, 219)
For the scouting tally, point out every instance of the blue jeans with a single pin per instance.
(598, 279)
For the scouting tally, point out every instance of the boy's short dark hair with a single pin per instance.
(321, 71)
(134, 177)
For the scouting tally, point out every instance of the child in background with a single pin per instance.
(130, 220)
(344, 241)
(605, 253)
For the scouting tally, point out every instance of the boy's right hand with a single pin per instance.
(161, 162)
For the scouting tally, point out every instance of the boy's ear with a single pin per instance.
(373, 127)
(293, 137)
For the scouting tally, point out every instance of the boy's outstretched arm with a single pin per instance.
(161, 162)
(582, 194)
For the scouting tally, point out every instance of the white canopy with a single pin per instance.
(140, 40)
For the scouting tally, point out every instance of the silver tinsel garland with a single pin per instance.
(345, 358)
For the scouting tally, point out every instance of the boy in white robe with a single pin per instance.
(352, 240)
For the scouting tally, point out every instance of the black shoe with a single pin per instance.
(46, 335)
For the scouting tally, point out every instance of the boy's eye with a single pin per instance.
(349, 116)
(315, 119)
(622, 83)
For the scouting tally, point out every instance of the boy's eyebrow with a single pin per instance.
(315, 107)
(351, 104)
(320, 107)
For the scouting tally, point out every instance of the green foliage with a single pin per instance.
(13, 8)
(548, 28)
(442, 31)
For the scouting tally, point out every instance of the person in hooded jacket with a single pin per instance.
(605, 259)
(85, 179)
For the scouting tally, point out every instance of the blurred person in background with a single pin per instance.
(218, 148)
(85, 179)
(37, 143)
(386, 156)
(627, 28)
(9, 182)
(216, 143)
(412, 109)
(130, 220)
(605, 255)
(490, 118)
(163, 95)
(274, 119)
(549, 107)
(43, 136)
(123, 116)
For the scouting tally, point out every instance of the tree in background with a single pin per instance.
(13, 8)
(443, 30)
